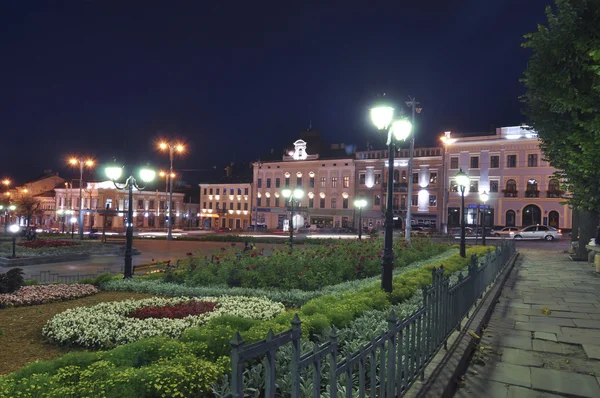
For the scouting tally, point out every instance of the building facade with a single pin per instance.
(40, 189)
(225, 205)
(510, 166)
(328, 186)
(371, 184)
(106, 206)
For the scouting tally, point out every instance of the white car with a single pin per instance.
(505, 231)
(537, 232)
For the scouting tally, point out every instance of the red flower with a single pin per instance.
(189, 253)
(174, 311)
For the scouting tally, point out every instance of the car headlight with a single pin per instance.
(511, 233)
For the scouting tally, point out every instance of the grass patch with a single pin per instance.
(21, 337)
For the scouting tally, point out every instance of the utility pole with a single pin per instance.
(412, 102)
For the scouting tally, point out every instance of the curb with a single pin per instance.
(444, 378)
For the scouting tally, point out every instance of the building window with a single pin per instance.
(311, 182)
(258, 184)
(433, 178)
(210, 191)
(162, 204)
(454, 163)
(403, 175)
(378, 178)
(140, 204)
(323, 182)
(287, 181)
(511, 161)
(151, 205)
(298, 181)
(217, 204)
(210, 205)
(258, 201)
(205, 191)
(532, 160)
(231, 191)
(474, 162)
(333, 203)
(239, 206)
(231, 205)
(246, 206)
(277, 182)
(415, 200)
(432, 201)
(311, 203)
(216, 191)
(453, 186)
(245, 191)
(276, 202)
(494, 162)
(224, 206)
(268, 183)
(346, 183)
(333, 182)
(474, 186)
(395, 204)
(345, 203)
(415, 178)
(377, 200)
(361, 179)
(268, 202)
(322, 203)
(493, 185)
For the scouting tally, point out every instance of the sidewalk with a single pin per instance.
(543, 339)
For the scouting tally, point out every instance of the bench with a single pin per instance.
(592, 251)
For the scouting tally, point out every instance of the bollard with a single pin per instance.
(597, 262)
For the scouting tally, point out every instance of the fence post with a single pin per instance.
(426, 323)
(270, 366)
(296, 334)
(333, 341)
(237, 366)
(472, 284)
(391, 359)
(458, 302)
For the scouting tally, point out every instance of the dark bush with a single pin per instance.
(11, 281)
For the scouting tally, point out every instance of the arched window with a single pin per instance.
(553, 185)
(396, 175)
(511, 186)
(532, 189)
(510, 218)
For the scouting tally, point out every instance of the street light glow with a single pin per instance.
(163, 145)
(401, 129)
(113, 172)
(14, 228)
(298, 193)
(180, 148)
(6, 182)
(462, 179)
(89, 162)
(382, 116)
(73, 220)
(12, 207)
(286, 192)
(484, 197)
(147, 175)
(360, 203)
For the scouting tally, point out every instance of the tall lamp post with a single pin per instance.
(172, 147)
(462, 180)
(13, 230)
(382, 116)
(82, 163)
(412, 102)
(292, 196)
(73, 221)
(7, 215)
(146, 175)
(360, 203)
(166, 175)
(484, 198)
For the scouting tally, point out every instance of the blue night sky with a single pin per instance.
(107, 78)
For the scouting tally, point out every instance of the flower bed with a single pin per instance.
(43, 243)
(174, 311)
(42, 294)
(109, 324)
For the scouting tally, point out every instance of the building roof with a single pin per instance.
(46, 194)
(46, 174)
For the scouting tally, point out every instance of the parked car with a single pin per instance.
(537, 232)
(456, 231)
(420, 230)
(223, 229)
(261, 227)
(505, 232)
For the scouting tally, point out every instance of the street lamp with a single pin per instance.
(166, 175)
(73, 221)
(146, 175)
(6, 215)
(382, 116)
(14, 229)
(172, 147)
(360, 203)
(462, 180)
(293, 196)
(81, 162)
(484, 198)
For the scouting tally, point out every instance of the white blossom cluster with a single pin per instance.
(42, 294)
(107, 325)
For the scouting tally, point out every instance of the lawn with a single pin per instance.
(21, 329)
(52, 247)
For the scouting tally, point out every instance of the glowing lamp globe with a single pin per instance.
(14, 228)
(401, 129)
(73, 220)
(298, 193)
(286, 192)
(484, 196)
(113, 172)
(147, 175)
(12, 207)
(360, 203)
(462, 179)
(382, 116)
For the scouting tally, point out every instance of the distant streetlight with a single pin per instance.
(14, 229)
(292, 196)
(382, 116)
(6, 210)
(172, 147)
(73, 221)
(484, 198)
(360, 203)
(462, 180)
(114, 174)
(81, 162)
(166, 176)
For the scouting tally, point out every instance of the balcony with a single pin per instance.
(398, 187)
(532, 194)
(554, 194)
(511, 194)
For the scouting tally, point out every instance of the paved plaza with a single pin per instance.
(543, 339)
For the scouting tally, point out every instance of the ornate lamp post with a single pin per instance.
(81, 162)
(462, 179)
(13, 230)
(292, 196)
(484, 198)
(146, 175)
(7, 215)
(360, 203)
(172, 147)
(382, 116)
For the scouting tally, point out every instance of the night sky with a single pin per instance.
(237, 78)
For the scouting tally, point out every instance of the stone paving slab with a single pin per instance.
(537, 326)
(570, 383)
(587, 323)
(544, 336)
(592, 351)
(506, 373)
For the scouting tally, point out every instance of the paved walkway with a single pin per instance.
(543, 339)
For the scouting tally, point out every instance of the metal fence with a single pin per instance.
(54, 277)
(389, 364)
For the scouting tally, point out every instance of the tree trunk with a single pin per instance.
(574, 230)
(588, 222)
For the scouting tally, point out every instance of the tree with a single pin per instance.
(562, 101)
(28, 207)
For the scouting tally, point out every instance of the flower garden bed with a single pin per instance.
(46, 243)
(42, 294)
(55, 247)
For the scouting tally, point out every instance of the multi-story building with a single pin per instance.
(41, 189)
(372, 173)
(226, 201)
(326, 175)
(103, 203)
(510, 166)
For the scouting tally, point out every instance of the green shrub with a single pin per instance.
(31, 282)
(103, 278)
(11, 280)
